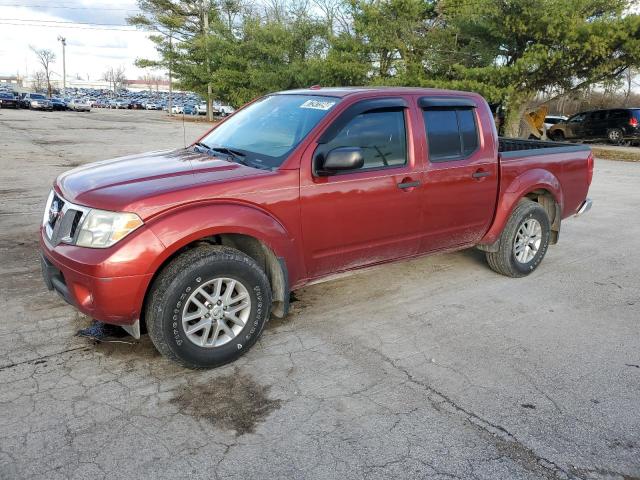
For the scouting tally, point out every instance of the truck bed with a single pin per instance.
(509, 146)
(562, 164)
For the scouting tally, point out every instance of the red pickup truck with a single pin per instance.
(201, 245)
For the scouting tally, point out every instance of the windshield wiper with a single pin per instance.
(234, 155)
(203, 145)
(238, 157)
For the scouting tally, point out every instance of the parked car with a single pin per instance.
(7, 100)
(190, 110)
(36, 101)
(122, 104)
(202, 108)
(223, 110)
(58, 104)
(79, 105)
(203, 243)
(614, 125)
(178, 109)
(151, 106)
(551, 120)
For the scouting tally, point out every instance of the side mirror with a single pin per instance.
(340, 159)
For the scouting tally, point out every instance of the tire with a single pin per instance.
(171, 301)
(512, 259)
(615, 136)
(557, 136)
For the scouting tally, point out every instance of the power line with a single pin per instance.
(51, 7)
(64, 22)
(2, 22)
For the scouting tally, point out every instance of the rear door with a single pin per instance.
(369, 215)
(595, 125)
(461, 176)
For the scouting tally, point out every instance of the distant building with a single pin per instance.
(25, 84)
(12, 79)
(157, 85)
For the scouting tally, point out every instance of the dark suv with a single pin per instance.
(615, 125)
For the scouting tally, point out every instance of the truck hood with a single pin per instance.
(149, 182)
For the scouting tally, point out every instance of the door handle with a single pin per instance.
(411, 184)
(480, 174)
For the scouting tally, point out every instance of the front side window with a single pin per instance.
(268, 130)
(577, 118)
(379, 134)
(452, 133)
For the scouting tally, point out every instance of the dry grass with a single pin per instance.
(191, 118)
(627, 155)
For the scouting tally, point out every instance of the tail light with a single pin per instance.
(590, 163)
(633, 122)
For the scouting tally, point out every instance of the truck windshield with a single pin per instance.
(266, 131)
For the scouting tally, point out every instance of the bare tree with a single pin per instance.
(46, 58)
(116, 78)
(148, 80)
(628, 78)
(39, 82)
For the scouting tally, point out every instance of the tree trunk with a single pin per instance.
(516, 108)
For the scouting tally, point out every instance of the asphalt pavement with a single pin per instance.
(433, 368)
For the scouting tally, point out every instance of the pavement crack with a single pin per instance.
(41, 359)
(521, 453)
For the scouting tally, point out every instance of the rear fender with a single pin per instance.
(527, 182)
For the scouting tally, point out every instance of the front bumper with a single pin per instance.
(117, 300)
(109, 284)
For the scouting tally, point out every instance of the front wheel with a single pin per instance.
(208, 307)
(523, 242)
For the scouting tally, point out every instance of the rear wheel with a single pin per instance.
(557, 136)
(523, 242)
(615, 136)
(208, 307)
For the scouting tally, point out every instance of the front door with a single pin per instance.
(369, 215)
(576, 126)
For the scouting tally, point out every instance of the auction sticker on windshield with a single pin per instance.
(318, 104)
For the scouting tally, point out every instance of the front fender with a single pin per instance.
(518, 188)
(180, 227)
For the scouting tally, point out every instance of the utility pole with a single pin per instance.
(64, 62)
(170, 68)
(205, 19)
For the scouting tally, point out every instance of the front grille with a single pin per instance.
(61, 219)
(75, 223)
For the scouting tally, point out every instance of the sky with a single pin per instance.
(91, 49)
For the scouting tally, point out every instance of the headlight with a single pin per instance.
(101, 229)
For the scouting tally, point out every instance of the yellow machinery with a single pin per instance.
(532, 124)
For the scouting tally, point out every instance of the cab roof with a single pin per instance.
(346, 91)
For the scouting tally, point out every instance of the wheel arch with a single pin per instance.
(538, 185)
(247, 229)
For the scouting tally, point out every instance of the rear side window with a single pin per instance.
(452, 134)
(619, 114)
